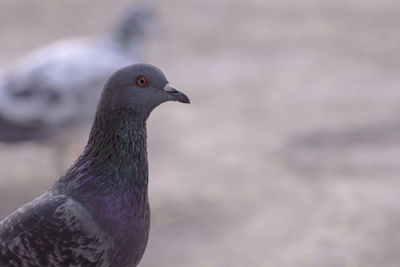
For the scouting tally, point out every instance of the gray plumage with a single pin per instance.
(97, 213)
(58, 85)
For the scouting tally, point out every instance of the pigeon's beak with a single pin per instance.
(177, 95)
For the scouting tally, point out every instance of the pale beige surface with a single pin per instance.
(289, 152)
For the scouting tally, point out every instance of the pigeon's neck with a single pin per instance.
(114, 161)
(110, 178)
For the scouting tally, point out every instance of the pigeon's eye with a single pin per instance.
(141, 81)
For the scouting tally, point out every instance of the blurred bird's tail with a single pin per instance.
(12, 132)
(136, 24)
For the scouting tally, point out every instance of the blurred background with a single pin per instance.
(289, 152)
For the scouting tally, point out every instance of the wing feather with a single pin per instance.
(52, 230)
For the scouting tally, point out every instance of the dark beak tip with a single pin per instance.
(184, 99)
(176, 95)
(181, 97)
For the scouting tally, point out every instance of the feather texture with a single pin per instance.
(53, 230)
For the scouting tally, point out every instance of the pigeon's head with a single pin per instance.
(138, 21)
(139, 89)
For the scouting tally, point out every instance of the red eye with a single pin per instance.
(141, 81)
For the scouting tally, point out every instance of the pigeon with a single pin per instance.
(57, 86)
(97, 213)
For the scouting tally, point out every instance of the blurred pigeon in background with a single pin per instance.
(59, 85)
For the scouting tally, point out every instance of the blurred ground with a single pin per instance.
(289, 152)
